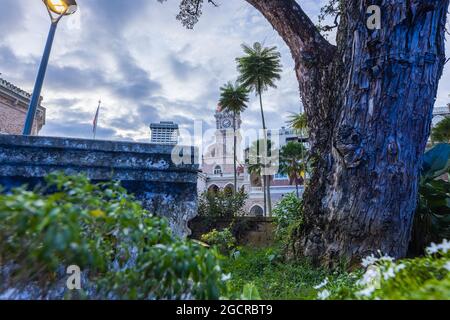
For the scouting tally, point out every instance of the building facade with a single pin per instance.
(440, 113)
(218, 166)
(14, 104)
(165, 132)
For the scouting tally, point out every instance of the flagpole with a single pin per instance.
(96, 118)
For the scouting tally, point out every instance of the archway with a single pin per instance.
(257, 211)
(229, 188)
(213, 188)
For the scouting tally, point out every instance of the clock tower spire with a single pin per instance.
(224, 120)
(219, 159)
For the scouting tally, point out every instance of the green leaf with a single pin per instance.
(250, 292)
(436, 161)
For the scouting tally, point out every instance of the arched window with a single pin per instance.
(213, 189)
(229, 188)
(217, 170)
(257, 211)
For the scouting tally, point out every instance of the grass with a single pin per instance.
(276, 279)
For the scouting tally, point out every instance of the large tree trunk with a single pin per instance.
(368, 102)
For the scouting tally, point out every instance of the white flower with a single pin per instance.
(433, 248)
(367, 292)
(322, 284)
(369, 260)
(400, 267)
(390, 273)
(370, 278)
(445, 246)
(386, 258)
(323, 295)
(226, 277)
(447, 266)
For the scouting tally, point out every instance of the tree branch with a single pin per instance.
(297, 30)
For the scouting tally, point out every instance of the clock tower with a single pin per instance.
(224, 120)
(218, 159)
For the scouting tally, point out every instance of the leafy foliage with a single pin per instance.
(250, 292)
(233, 98)
(261, 157)
(380, 277)
(191, 11)
(299, 122)
(441, 132)
(223, 240)
(332, 10)
(288, 216)
(425, 278)
(127, 252)
(292, 162)
(432, 218)
(222, 204)
(259, 68)
(274, 278)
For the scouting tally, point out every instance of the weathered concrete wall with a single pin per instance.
(146, 170)
(257, 232)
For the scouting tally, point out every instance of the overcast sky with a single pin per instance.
(143, 64)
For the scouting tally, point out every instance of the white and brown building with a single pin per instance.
(218, 173)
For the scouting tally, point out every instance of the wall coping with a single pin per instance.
(87, 144)
(229, 220)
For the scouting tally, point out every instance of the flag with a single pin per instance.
(94, 130)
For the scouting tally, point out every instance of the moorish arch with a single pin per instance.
(213, 188)
(229, 188)
(257, 211)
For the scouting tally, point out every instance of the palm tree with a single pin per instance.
(234, 99)
(291, 162)
(441, 132)
(255, 168)
(259, 68)
(256, 164)
(299, 122)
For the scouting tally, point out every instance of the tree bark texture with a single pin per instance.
(369, 102)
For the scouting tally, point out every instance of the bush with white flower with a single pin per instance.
(384, 278)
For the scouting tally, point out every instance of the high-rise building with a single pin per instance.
(165, 132)
(14, 107)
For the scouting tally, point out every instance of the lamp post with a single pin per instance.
(56, 10)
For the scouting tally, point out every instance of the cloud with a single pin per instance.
(144, 66)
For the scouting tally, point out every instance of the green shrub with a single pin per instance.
(432, 218)
(223, 240)
(127, 252)
(287, 216)
(274, 278)
(222, 204)
(425, 278)
(380, 277)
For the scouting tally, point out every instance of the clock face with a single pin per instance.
(226, 123)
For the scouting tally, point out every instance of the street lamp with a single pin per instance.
(56, 10)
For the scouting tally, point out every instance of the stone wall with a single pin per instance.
(257, 232)
(146, 170)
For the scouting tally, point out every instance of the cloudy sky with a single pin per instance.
(143, 64)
